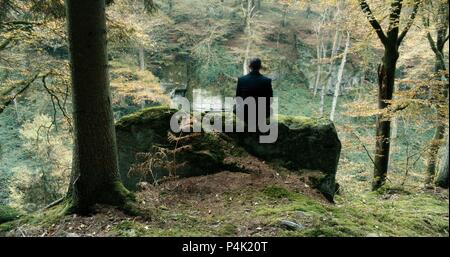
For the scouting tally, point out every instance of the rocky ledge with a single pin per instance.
(150, 151)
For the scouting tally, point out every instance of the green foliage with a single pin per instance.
(8, 213)
(34, 187)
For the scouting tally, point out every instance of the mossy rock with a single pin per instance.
(304, 145)
(145, 142)
(8, 214)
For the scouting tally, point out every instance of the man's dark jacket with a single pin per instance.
(255, 85)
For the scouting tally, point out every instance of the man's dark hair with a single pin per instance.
(255, 64)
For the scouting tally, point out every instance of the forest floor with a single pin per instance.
(268, 203)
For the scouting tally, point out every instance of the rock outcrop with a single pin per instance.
(148, 150)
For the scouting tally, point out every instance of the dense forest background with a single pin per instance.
(323, 57)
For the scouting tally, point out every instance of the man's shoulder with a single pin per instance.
(267, 78)
(244, 77)
(250, 76)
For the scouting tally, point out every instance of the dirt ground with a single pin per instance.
(216, 199)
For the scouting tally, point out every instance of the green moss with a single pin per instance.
(277, 192)
(228, 230)
(296, 122)
(8, 214)
(298, 202)
(125, 200)
(154, 114)
(368, 214)
(44, 218)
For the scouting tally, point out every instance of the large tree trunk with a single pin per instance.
(386, 83)
(386, 80)
(442, 178)
(95, 178)
(339, 78)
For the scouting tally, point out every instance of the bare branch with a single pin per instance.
(54, 97)
(411, 19)
(7, 100)
(446, 38)
(394, 19)
(373, 21)
(434, 48)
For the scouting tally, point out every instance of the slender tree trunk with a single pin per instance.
(334, 50)
(319, 57)
(246, 57)
(339, 78)
(319, 68)
(95, 178)
(326, 86)
(141, 58)
(248, 15)
(323, 89)
(284, 18)
(442, 177)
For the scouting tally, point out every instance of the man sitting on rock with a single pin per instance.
(254, 96)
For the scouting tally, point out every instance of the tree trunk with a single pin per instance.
(439, 55)
(394, 136)
(334, 50)
(386, 80)
(319, 68)
(246, 57)
(433, 153)
(95, 178)
(323, 89)
(339, 78)
(141, 58)
(319, 56)
(284, 18)
(248, 15)
(442, 178)
(386, 83)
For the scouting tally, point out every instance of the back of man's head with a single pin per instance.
(255, 64)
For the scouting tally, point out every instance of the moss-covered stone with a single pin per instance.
(304, 145)
(150, 151)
